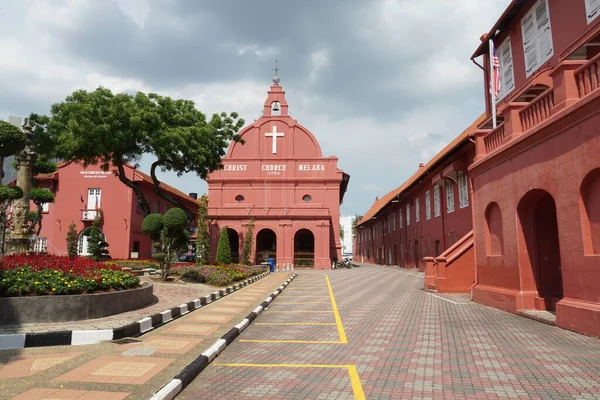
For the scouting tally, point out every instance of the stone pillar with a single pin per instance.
(565, 87)
(512, 121)
(480, 144)
(19, 237)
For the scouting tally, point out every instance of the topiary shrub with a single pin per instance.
(223, 249)
(12, 139)
(169, 230)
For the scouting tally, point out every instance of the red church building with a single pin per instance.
(280, 178)
(536, 176)
(82, 193)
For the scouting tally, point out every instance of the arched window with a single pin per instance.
(590, 212)
(239, 198)
(275, 108)
(306, 198)
(494, 235)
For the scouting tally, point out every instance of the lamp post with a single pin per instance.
(19, 235)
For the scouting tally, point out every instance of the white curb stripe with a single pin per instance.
(14, 341)
(183, 309)
(169, 391)
(242, 325)
(222, 343)
(166, 316)
(145, 324)
(258, 310)
(197, 303)
(91, 336)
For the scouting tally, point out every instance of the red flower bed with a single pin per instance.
(26, 275)
(81, 266)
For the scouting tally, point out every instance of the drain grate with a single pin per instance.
(126, 340)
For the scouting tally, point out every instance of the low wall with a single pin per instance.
(59, 308)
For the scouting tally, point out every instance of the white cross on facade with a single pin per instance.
(274, 135)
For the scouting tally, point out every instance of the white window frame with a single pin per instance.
(46, 206)
(417, 210)
(400, 218)
(437, 200)
(407, 214)
(505, 58)
(592, 10)
(449, 196)
(428, 205)
(463, 190)
(539, 35)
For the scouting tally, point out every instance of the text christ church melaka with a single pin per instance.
(279, 177)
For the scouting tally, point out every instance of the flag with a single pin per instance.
(495, 77)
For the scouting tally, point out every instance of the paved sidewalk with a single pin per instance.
(167, 295)
(133, 369)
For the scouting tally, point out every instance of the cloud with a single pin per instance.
(383, 84)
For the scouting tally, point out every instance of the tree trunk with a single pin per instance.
(136, 188)
(1, 169)
(3, 219)
(156, 186)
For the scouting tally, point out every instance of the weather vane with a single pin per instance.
(276, 77)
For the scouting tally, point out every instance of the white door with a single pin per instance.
(82, 246)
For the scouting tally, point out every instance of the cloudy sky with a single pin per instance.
(383, 84)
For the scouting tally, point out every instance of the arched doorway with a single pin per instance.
(304, 249)
(540, 246)
(266, 245)
(83, 242)
(234, 245)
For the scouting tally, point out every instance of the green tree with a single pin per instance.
(203, 239)
(223, 249)
(248, 242)
(72, 240)
(112, 130)
(341, 232)
(355, 223)
(96, 242)
(169, 232)
(12, 141)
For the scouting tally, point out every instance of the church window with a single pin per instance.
(537, 37)
(407, 214)
(417, 210)
(428, 205)
(239, 198)
(463, 192)
(449, 196)
(306, 198)
(437, 204)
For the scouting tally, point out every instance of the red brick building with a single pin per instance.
(425, 216)
(81, 193)
(280, 178)
(536, 177)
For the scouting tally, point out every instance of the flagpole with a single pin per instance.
(492, 84)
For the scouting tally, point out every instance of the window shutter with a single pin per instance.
(592, 9)
(544, 32)
(506, 68)
(528, 32)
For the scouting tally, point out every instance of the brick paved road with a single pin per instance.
(404, 343)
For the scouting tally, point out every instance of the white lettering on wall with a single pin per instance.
(314, 167)
(94, 174)
(231, 167)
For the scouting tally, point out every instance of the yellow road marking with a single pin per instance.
(290, 341)
(294, 323)
(296, 311)
(336, 313)
(357, 389)
(302, 302)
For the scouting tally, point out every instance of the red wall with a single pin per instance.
(447, 228)
(568, 22)
(555, 158)
(121, 222)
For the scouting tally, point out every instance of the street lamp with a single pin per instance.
(19, 235)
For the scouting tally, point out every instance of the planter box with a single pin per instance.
(30, 309)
